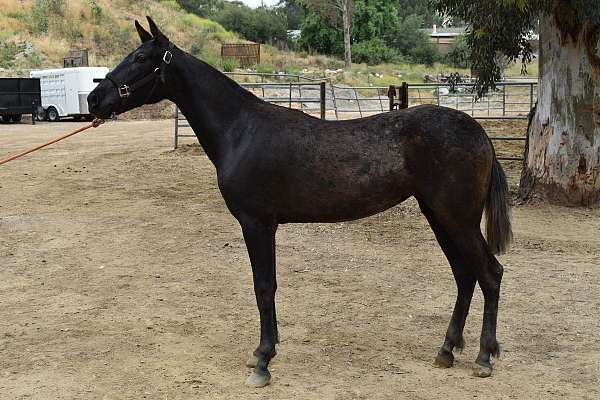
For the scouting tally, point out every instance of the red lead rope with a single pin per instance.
(94, 124)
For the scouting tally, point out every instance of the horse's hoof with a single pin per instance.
(482, 371)
(444, 360)
(258, 379)
(252, 361)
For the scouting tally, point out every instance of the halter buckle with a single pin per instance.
(124, 92)
(167, 57)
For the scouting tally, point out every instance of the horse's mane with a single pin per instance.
(227, 81)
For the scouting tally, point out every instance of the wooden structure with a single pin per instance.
(246, 54)
(402, 93)
(76, 58)
(443, 37)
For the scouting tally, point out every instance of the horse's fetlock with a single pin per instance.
(266, 351)
(459, 343)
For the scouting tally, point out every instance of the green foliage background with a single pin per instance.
(501, 27)
(380, 30)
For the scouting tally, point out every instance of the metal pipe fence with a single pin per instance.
(309, 97)
(509, 100)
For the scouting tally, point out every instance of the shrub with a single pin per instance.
(210, 60)
(229, 64)
(19, 55)
(192, 20)
(96, 10)
(45, 12)
(258, 25)
(172, 4)
(318, 35)
(293, 70)
(459, 54)
(196, 48)
(264, 68)
(425, 53)
(39, 17)
(18, 15)
(8, 51)
(373, 51)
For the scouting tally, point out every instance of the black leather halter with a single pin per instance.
(125, 90)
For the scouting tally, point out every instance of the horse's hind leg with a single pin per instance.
(462, 233)
(465, 283)
(488, 271)
(489, 278)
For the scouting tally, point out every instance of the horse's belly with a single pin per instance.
(330, 201)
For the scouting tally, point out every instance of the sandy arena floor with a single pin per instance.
(123, 276)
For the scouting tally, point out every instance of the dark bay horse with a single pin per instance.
(276, 165)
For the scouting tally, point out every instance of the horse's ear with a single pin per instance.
(144, 34)
(160, 38)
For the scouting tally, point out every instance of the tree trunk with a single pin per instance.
(562, 159)
(346, 21)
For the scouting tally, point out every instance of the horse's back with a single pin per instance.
(310, 170)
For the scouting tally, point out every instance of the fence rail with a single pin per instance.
(321, 97)
(299, 95)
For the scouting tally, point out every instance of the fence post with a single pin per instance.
(403, 95)
(357, 102)
(323, 99)
(530, 96)
(391, 94)
(299, 90)
(176, 125)
(335, 109)
(290, 103)
(380, 102)
(503, 100)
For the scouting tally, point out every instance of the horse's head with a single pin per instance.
(139, 79)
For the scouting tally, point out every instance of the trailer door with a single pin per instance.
(71, 87)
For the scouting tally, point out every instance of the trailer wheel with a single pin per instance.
(40, 115)
(16, 117)
(52, 114)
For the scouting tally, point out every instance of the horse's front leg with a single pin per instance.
(260, 242)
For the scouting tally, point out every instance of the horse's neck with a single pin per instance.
(211, 104)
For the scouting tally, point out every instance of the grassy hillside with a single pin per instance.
(38, 33)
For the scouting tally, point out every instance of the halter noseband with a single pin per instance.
(126, 90)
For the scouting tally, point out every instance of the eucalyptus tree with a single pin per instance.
(562, 160)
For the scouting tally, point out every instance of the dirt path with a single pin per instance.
(123, 276)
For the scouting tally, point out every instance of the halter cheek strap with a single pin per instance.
(125, 90)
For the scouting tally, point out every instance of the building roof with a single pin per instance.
(444, 31)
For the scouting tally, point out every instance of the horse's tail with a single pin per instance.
(498, 226)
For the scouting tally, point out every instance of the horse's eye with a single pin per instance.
(140, 58)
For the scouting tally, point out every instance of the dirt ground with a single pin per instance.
(123, 276)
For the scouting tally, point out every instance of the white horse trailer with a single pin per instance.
(65, 91)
